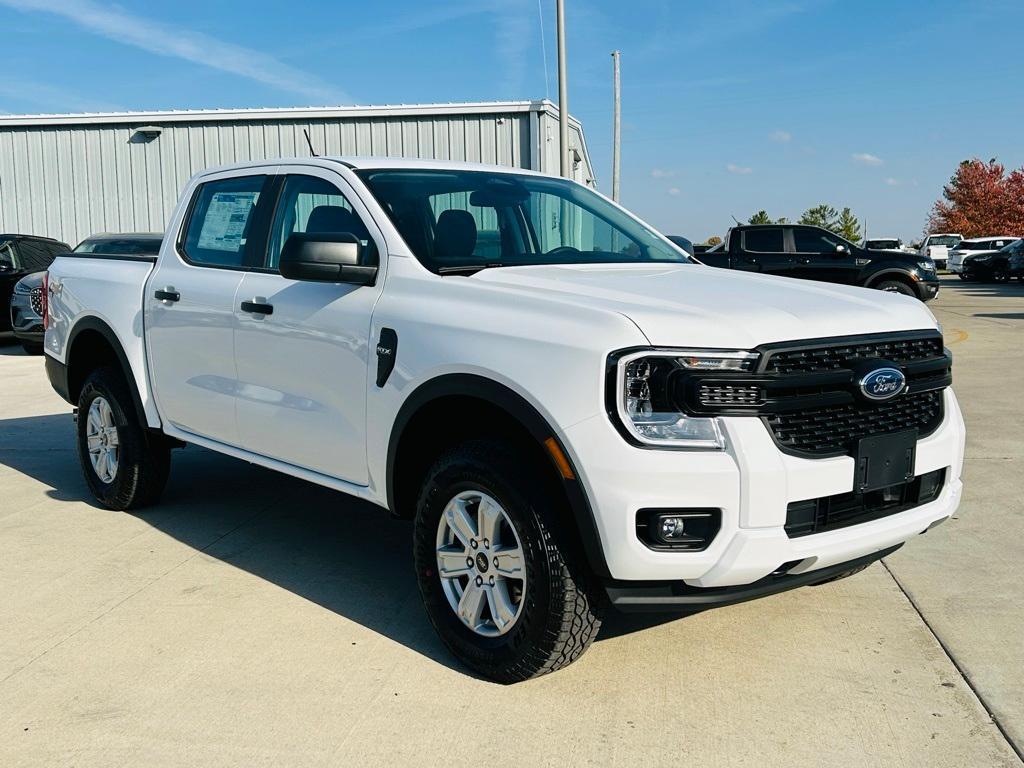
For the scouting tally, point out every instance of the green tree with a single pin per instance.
(762, 217)
(820, 216)
(848, 226)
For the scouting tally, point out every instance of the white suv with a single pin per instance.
(573, 414)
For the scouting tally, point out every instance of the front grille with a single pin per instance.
(35, 299)
(839, 356)
(730, 395)
(836, 429)
(828, 513)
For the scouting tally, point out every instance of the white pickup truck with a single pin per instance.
(573, 414)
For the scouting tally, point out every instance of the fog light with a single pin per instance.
(687, 529)
(672, 529)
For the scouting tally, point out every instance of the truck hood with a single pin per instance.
(694, 305)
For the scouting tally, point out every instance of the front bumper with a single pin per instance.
(928, 289)
(26, 323)
(752, 483)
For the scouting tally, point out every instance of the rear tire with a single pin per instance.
(32, 348)
(125, 464)
(896, 286)
(552, 616)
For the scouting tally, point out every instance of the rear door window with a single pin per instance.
(763, 240)
(221, 226)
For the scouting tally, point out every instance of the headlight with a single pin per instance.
(926, 266)
(645, 398)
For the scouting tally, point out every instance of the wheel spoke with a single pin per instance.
(471, 605)
(92, 422)
(106, 415)
(112, 438)
(94, 442)
(460, 521)
(509, 563)
(451, 561)
(503, 610)
(101, 465)
(488, 521)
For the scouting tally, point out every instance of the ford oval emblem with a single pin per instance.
(883, 384)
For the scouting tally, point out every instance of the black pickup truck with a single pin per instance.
(813, 253)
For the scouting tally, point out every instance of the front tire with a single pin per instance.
(896, 286)
(124, 464)
(499, 580)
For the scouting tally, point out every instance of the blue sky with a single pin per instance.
(728, 106)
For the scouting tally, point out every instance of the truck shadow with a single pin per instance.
(970, 288)
(343, 554)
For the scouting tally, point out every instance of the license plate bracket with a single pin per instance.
(885, 460)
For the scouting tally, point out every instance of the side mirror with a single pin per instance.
(326, 257)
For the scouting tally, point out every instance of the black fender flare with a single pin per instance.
(888, 272)
(510, 401)
(93, 323)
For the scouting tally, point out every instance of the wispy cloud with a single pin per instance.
(674, 191)
(662, 173)
(780, 136)
(866, 159)
(891, 182)
(162, 39)
(739, 169)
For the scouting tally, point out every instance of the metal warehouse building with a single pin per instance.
(68, 176)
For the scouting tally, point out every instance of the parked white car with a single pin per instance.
(974, 246)
(572, 413)
(937, 247)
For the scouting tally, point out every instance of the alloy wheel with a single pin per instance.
(102, 440)
(480, 563)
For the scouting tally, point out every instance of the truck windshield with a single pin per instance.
(459, 221)
(947, 240)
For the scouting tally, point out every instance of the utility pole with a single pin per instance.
(563, 95)
(617, 125)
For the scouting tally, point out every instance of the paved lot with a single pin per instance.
(255, 620)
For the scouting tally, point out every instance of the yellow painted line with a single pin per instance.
(958, 336)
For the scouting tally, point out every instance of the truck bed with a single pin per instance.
(109, 291)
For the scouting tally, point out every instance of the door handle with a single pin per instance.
(750, 260)
(167, 294)
(803, 261)
(257, 308)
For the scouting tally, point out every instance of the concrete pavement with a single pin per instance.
(252, 619)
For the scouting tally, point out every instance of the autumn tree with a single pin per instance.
(980, 199)
(713, 240)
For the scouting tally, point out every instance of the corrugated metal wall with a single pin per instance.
(73, 180)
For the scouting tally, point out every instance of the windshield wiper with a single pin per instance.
(467, 269)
